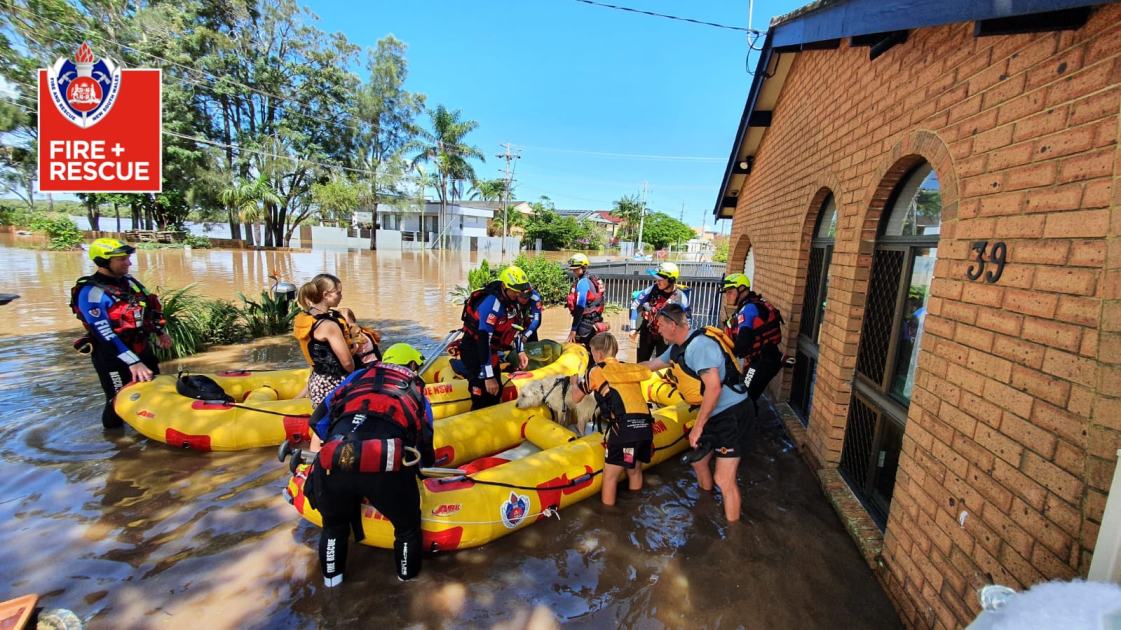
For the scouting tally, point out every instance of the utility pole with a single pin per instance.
(508, 156)
(641, 220)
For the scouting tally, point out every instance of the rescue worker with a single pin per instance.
(330, 337)
(585, 301)
(628, 438)
(488, 317)
(374, 426)
(707, 373)
(526, 323)
(664, 291)
(756, 327)
(119, 316)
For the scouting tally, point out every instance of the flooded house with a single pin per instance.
(931, 194)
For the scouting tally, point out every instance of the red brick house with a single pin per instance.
(931, 191)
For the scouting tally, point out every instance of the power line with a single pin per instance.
(636, 156)
(668, 17)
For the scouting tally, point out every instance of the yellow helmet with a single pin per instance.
(666, 270)
(402, 354)
(578, 260)
(735, 281)
(515, 279)
(103, 249)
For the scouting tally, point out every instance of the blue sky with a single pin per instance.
(567, 82)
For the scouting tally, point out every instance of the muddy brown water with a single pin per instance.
(129, 533)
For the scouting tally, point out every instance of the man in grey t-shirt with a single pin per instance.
(701, 369)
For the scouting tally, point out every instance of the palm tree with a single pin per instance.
(448, 151)
(246, 198)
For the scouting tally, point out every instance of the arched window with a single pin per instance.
(813, 309)
(890, 337)
(749, 266)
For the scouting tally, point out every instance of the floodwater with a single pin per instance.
(130, 533)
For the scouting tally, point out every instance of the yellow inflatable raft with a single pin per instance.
(266, 412)
(497, 496)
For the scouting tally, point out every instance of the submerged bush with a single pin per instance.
(197, 242)
(195, 322)
(550, 278)
(61, 230)
(268, 316)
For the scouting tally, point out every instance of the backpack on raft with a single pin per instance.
(201, 388)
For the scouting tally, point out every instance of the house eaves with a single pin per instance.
(878, 24)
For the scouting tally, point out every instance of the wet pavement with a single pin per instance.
(130, 533)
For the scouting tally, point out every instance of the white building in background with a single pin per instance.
(465, 219)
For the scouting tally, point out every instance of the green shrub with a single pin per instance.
(269, 316)
(15, 215)
(224, 324)
(197, 242)
(61, 230)
(187, 328)
(549, 277)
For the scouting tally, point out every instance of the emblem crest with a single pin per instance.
(84, 88)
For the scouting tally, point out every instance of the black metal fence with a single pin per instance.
(702, 282)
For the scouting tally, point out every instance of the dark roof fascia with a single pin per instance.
(741, 132)
(864, 17)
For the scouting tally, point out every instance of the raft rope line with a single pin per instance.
(548, 512)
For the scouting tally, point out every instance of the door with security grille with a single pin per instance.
(813, 310)
(890, 339)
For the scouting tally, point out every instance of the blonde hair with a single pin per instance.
(313, 292)
(605, 344)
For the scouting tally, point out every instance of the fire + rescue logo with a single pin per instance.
(514, 510)
(84, 88)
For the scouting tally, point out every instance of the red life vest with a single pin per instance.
(503, 336)
(657, 303)
(767, 324)
(383, 394)
(134, 314)
(595, 301)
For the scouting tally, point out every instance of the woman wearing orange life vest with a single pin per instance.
(664, 291)
(329, 337)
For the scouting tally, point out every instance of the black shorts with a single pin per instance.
(725, 430)
(629, 454)
(761, 370)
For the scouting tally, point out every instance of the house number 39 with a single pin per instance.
(994, 256)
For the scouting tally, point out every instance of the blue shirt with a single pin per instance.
(491, 311)
(704, 353)
(535, 308)
(747, 316)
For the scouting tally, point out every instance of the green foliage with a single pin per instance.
(557, 232)
(721, 253)
(337, 199)
(268, 316)
(61, 230)
(182, 308)
(629, 209)
(549, 277)
(662, 230)
(481, 276)
(18, 216)
(197, 242)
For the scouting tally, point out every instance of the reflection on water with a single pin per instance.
(130, 533)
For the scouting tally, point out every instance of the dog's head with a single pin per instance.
(547, 392)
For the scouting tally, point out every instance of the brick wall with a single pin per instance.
(1016, 412)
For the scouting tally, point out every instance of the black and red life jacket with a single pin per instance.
(504, 331)
(595, 301)
(385, 400)
(767, 324)
(135, 313)
(658, 300)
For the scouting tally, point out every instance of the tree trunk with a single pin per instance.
(50, 202)
(249, 234)
(117, 211)
(93, 213)
(374, 226)
(235, 227)
(134, 210)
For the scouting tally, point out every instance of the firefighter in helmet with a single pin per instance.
(119, 316)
